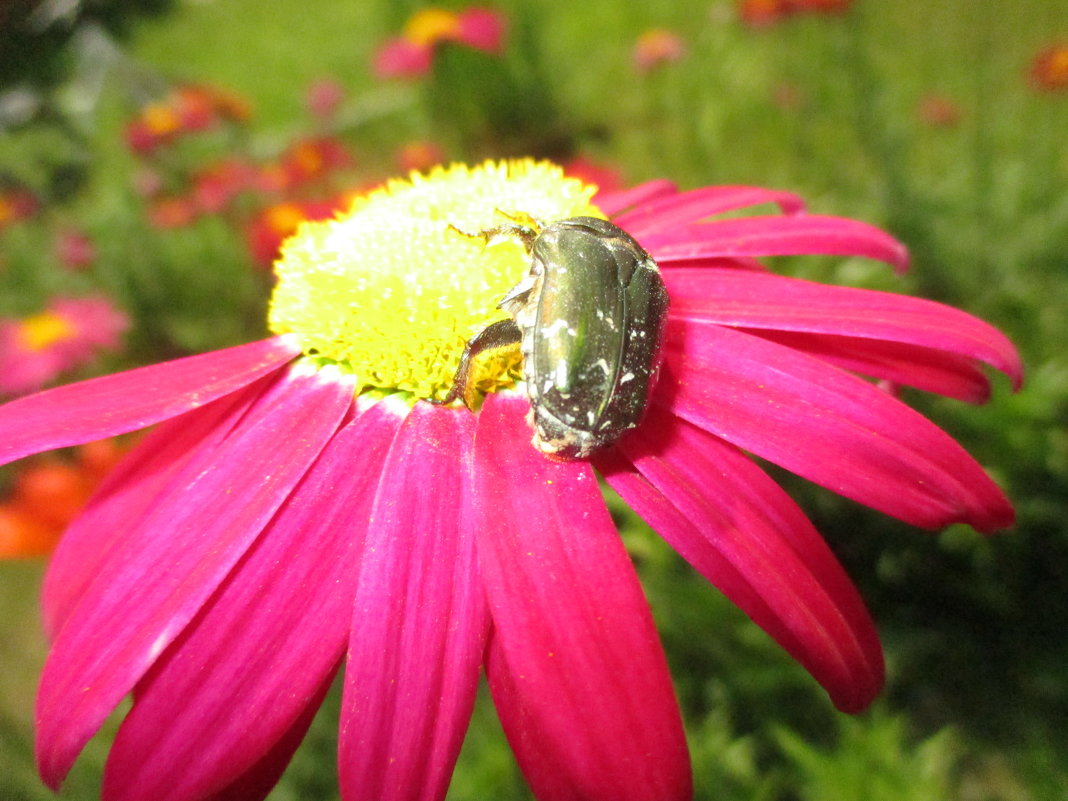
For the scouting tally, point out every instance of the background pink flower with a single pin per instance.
(411, 54)
(655, 47)
(74, 249)
(69, 333)
(323, 97)
(483, 29)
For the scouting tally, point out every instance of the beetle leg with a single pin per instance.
(518, 295)
(501, 334)
(500, 233)
(524, 227)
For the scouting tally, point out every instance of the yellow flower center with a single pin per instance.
(429, 26)
(41, 331)
(392, 290)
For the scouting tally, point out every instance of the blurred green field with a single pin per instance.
(976, 707)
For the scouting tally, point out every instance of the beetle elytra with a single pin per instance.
(589, 318)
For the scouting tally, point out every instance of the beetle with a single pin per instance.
(589, 318)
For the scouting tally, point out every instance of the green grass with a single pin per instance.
(977, 697)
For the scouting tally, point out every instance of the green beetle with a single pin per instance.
(589, 318)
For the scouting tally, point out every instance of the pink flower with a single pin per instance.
(186, 109)
(323, 97)
(304, 161)
(74, 249)
(762, 13)
(271, 226)
(175, 211)
(217, 185)
(419, 156)
(412, 54)
(70, 333)
(938, 110)
(290, 514)
(16, 204)
(482, 29)
(655, 47)
(313, 159)
(399, 58)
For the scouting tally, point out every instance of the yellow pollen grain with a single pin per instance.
(392, 292)
(41, 331)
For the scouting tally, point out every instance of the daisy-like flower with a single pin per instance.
(300, 506)
(411, 54)
(71, 332)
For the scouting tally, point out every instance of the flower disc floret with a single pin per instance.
(41, 331)
(392, 290)
(429, 26)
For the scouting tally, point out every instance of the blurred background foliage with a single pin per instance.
(943, 122)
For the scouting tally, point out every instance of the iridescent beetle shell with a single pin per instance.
(589, 317)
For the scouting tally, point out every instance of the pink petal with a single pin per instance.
(482, 29)
(760, 301)
(910, 365)
(575, 665)
(244, 671)
(613, 203)
(776, 236)
(681, 266)
(688, 207)
(128, 493)
(400, 58)
(257, 782)
(184, 546)
(826, 425)
(419, 619)
(726, 517)
(114, 404)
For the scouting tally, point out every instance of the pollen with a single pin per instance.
(393, 289)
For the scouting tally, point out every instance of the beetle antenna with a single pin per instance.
(462, 232)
